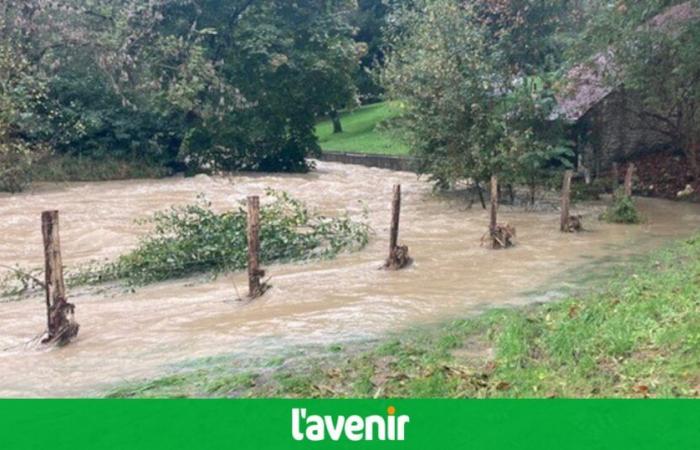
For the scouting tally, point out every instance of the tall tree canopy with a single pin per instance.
(471, 77)
(233, 84)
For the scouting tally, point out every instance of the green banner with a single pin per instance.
(352, 424)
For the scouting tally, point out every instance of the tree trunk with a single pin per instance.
(615, 179)
(691, 155)
(481, 195)
(511, 194)
(629, 180)
(337, 125)
(60, 314)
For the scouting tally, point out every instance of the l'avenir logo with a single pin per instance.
(312, 427)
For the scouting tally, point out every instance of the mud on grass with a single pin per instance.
(637, 337)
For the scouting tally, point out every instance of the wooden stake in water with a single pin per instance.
(61, 325)
(255, 287)
(493, 224)
(398, 255)
(501, 236)
(566, 201)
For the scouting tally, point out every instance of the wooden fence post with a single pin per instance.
(566, 201)
(255, 287)
(60, 315)
(501, 236)
(493, 224)
(398, 255)
(395, 218)
(628, 179)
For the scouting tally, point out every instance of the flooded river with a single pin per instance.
(127, 335)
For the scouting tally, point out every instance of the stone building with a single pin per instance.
(606, 120)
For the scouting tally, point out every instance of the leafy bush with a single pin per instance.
(194, 239)
(622, 210)
(16, 158)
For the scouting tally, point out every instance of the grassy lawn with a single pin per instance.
(638, 336)
(361, 133)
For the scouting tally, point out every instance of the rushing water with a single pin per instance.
(124, 335)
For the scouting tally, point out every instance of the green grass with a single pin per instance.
(637, 336)
(363, 132)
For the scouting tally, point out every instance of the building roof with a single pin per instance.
(587, 85)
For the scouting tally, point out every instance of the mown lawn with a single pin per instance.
(362, 132)
(638, 335)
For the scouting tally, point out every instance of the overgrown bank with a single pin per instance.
(639, 336)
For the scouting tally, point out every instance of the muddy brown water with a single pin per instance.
(128, 335)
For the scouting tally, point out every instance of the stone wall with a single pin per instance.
(399, 163)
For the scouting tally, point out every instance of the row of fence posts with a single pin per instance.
(61, 324)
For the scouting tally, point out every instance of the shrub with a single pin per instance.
(16, 160)
(194, 239)
(622, 210)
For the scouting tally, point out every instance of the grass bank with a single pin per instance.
(363, 131)
(638, 336)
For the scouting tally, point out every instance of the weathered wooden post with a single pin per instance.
(500, 235)
(568, 223)
(398, 255)
(494, 204)
(615, 179)
(628, 179)
(255, 287)
(565, 201)
(61, 325)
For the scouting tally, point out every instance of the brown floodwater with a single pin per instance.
(127, 335)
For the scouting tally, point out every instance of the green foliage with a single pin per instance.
(20, 98)
(371, 20)
(182, 84)
(16, 160)
(622, 210)
(194, 239)
(638, 337)
(470, 109)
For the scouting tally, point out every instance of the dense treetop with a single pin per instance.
(239, 84)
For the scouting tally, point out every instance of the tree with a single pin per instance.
(194, 84)
(471, 109)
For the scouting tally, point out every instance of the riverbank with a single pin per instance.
(639, 336)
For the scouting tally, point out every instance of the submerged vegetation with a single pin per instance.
(637, 337)
(195, 239)
(622, 210)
